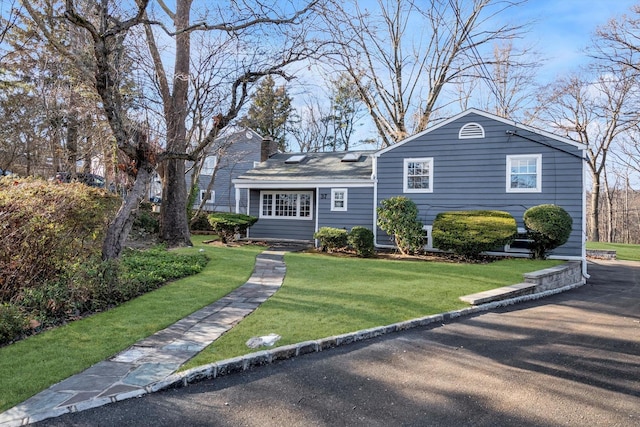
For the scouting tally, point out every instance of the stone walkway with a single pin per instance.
(132, 372)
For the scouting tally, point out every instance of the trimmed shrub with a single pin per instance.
(361, 240)
(48, 228)
(331, 239)
(398, 217)
(200, 223)
(468, 233)
(227, 225)
(12, 323)
(548, 226)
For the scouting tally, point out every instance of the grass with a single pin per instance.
(321, 296)
(626, 252)
(31, 365)
(324, 296)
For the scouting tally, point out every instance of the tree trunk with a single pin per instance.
(120, 227)
(594, 213)
(174, 225)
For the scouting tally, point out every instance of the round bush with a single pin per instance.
(468, 233)
(361, 240)
(398, 217)
(548, 226)
(331, 239)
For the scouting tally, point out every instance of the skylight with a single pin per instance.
(296, 158)
(351, 157)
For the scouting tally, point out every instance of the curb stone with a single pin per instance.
(265, 357)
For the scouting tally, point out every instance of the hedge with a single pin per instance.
(469, 233)
(228, 225)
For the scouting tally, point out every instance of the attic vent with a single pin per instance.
(296, 159)
(471, 130)
(351, 157)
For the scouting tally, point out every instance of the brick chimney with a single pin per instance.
(268, 148)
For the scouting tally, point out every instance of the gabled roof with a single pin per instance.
(312, 168)
(489, 116)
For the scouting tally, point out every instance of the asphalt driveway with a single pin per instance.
(572, 359)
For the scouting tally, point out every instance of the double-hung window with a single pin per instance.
(418, 175)
(209, 196)
(209, 165)
(524, 173)
(286, 204)
(338, 199)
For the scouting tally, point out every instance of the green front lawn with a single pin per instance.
(624, 251)
(324, 296)
(31, 365)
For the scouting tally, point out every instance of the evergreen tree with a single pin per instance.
(269, 111)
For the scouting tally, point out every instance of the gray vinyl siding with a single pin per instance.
(471, 174)
(235, 161)
(280, 228)
(359, 209)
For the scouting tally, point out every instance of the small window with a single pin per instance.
(521, 244)
(339, 199)
(209, 196)
(524, 174)
(471, 130)
(418, 175)
(428, 236)
(209, 165)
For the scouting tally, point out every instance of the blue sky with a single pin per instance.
(563, 28)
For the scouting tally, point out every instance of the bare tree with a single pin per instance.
(618, 42)
(596, 113)
(107, 24)
(402, 54)
(308, 128)
(241, 21)
(508, 89)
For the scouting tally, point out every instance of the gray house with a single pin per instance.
(474, 160)
(232, 154)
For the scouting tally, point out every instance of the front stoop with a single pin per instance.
(538, 281)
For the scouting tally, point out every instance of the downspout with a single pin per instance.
(374, 177)
(585, 274)
(315, 241)
(249, 206)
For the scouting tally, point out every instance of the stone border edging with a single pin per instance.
(265, 357)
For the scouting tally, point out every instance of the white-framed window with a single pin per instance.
(428, 236)
(524, 173)
(209, 196)
(418, 175)
(286, 204)
(209, 165)
(339, 199)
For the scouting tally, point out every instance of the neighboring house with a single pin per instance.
(474, 160)
(231, 155)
